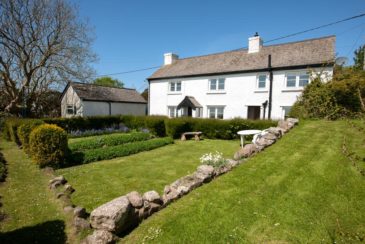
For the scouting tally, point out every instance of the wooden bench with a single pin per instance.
(196, 135)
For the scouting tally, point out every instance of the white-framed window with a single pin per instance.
(286, 110)
(216, 112)
(71, 110)
(175, 86)
(199, 112)
(217, 84)
(296, 80)
(261, 81)
(172, 111)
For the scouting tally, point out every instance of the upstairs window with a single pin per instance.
(303, 80)
(261, 81)
(291, 80)
(217, 84)
(216, 112)
(175, 86)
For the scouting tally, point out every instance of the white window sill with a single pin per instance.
(294, 89)
(174, 93)
(216, 92)
(261, 91)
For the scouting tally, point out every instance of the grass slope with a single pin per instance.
(99, 182)
(300, 190)
(33, 216)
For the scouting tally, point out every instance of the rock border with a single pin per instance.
(126, 212)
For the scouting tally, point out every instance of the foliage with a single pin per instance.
(98, 154)
(94, 132)
(213, 128)
(155, 124)
(108, 81)
(343, 96)
(144, 94)
(2, 167)
(359, 55)
(214, 159)
(48, 145)
(24, 131)
(107, 141)
(11, 127)
(43, 44)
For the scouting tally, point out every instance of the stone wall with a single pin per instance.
(124, 213)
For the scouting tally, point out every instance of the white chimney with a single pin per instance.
(254, 43)
(170, 58)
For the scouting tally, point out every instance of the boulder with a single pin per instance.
(232, 163)
(112, 216)
(68, 209)
(100, 237)
(204, 173)
(263, 142)
(170, 194)
(81, 224)
(278, 132)
(222, 170)
(285, 125)
(80, 212)
(69, 189)
(152, 196)
(60, 179)
(246, 151)
(294, 121)
(135, 199)
(149, 208)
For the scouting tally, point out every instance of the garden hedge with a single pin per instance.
(2, 167)
(48, 145)
(155, 124)
(118, 151)
(24, 131)
(107, 140)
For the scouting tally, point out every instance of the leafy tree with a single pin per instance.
(359, 58)
(43, 44)
(108, 81)
(145, 94)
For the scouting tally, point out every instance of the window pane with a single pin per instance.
(221, 84)
(286, 110)
(290, 81)
(262, 81)
(178, 86)
(212, 112)
(220, 113)
(213, 84)
(172, 86)
(303, 80)
(70, 109)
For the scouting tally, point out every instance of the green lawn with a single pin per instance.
(100, 182)
(33, 215)
(300, 190)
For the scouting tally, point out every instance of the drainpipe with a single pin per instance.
(270, 88)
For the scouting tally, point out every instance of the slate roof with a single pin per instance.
(92, 92)
(189, 101)
(307, 53)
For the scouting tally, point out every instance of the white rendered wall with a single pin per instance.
(93, 108)
(128, 108)
(240, 92)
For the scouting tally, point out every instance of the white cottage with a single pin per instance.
(83, 99)
(255, 83)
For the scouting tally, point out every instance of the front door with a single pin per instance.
(253, 112)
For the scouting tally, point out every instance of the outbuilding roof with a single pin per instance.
(307, 53)
(92, 92)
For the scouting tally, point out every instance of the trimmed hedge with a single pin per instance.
(108, 140)
(119, 150)
(214, 129)
(48, 145)
(2, 167)
(24, 131)
(11, 127)
(155, 124)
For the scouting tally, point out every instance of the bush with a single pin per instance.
(10, 129)
(213, 128)
(155, 124)
(108, 140)
(48, 145)
(119, 150)
(2, 167)
(24, 131)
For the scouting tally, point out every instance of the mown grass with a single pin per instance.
(300, 190)
(99, 182)
(32, 214)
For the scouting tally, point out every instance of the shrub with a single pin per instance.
(10, 129)
(48, 145)
(155, 124)
(119, 150)
(175, 127)
(24, 131)
(108, 140)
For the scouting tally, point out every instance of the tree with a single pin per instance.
(108, 81)
(359, 58)
(145, 94)
(43, 44)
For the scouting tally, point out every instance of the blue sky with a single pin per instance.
(135, 34)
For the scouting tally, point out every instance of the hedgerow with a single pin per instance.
(98, 154)
(2, 167)
(108, 140)
(24, 131)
